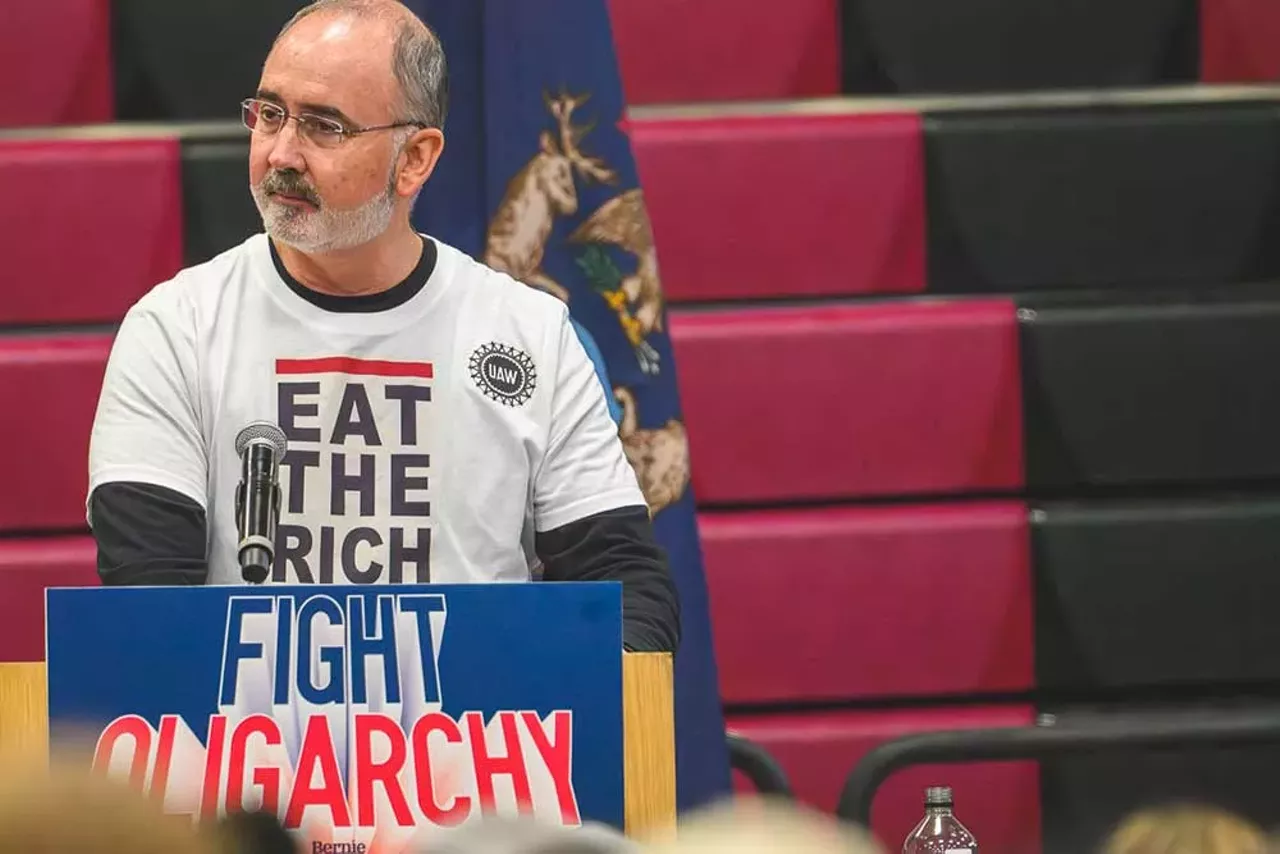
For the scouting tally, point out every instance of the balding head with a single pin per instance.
(417, 57)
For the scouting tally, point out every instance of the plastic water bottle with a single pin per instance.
(939, 832)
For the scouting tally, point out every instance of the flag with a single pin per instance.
(534, 139)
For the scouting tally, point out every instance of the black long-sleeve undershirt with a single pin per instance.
(152, 535)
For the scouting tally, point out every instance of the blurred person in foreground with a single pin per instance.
(256, 832)
(764, 826)
(444, 422)
(61, 809)
(1186, 829)
(503, 835)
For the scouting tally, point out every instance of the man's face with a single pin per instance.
(317, 198)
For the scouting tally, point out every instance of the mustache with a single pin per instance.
(290, 183)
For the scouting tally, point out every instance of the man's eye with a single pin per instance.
(325, 127)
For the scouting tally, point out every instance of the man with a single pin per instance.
(444, 422)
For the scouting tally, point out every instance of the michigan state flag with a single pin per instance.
(538, 180)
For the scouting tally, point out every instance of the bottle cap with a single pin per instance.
(938, 796)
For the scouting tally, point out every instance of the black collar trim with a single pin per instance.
(392, 297)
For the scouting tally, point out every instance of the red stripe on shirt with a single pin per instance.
(349, 365)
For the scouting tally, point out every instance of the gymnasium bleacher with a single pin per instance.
(974, 306)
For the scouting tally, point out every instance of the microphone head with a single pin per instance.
(262, 432)
(255, 563)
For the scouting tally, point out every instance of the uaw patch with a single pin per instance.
(503, 373)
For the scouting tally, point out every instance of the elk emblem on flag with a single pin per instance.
(543, 190)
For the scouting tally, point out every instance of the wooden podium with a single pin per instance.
(649, 748)
(647, 714)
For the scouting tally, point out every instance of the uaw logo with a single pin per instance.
(503, 373)
(330, 714)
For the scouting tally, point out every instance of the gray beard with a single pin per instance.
(325, 229)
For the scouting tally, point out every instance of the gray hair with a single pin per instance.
(417, 58)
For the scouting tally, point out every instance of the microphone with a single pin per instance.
(261, 445)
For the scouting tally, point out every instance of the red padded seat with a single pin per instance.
(677, 51)
(998, 801)
(89, 225)
(27, 569)
(1238, 41)
(55, 61)
(846, 401)
(50, 384)
(784, 205)
(858, 603)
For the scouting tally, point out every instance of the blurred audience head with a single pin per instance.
(255, 832)
(1186, 829)
(61, 809)
(766, 827)
(525, 836)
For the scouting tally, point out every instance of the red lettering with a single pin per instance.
(488, 766)
(557, 755)
(164, 757)
(386, 773)
(133, 727)
(213, 767)
(317, 752)
(267, 778)
(434, 812)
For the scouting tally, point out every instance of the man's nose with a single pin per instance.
(286, 149)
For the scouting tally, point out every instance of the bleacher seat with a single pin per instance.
(1238, 41)
(190, 61)
(1085, 797)
(915, 46)
(860, 603)
(196, 61)
(1176, 391)
(217, 206)
(90, 225)
(1104, 197)
(27, 569)
(998, 801)
(783, 205)
(55, 61)
(847, 401)
(1134, 595)
(675, 51)
(843, 212)
(51, 384)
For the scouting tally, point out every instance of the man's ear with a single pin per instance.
(421, 154)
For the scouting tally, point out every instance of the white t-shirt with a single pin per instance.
(427, 442)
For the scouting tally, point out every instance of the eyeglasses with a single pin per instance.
(267, 118)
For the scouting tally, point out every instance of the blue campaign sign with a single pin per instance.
(357, 714)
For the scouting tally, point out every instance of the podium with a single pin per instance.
(358, 706)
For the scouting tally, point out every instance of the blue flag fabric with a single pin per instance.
(538, 180)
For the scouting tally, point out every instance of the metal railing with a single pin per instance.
(759, 766)
(1128, 730)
